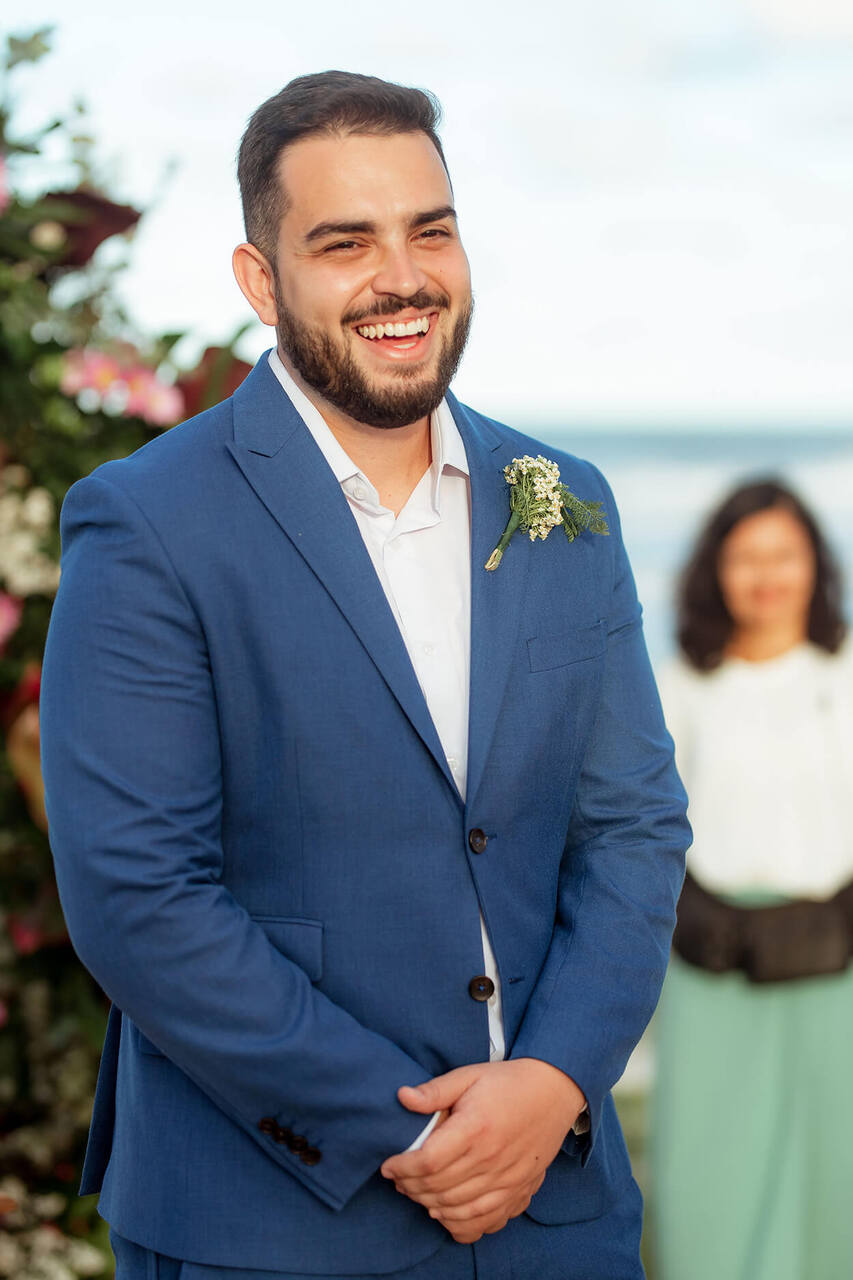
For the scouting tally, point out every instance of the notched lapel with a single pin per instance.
(279, 458)
(497, 596)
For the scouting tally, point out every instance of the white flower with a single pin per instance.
(538, 504)
(37, 510)
(86, 1259)
(11, 1256)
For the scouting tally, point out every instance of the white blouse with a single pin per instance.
(765, 750)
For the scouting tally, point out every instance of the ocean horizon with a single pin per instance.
(665, 484)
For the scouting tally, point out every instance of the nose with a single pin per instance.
(398, 273)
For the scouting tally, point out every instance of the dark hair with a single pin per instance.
(704, 622)
(326, 102)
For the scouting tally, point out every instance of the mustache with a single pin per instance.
(392, 305)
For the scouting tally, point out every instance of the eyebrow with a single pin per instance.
(323, 229)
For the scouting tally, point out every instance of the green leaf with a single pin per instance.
(28, 48)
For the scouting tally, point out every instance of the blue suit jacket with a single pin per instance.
(264, 860)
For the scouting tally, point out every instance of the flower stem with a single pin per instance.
(497, 555)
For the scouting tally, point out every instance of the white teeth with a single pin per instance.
(397, 330)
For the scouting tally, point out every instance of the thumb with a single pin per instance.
(440, 1093)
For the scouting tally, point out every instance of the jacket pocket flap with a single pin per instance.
(300, 940)
(546, 652)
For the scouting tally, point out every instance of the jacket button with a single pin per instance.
(311, 1156)
(267, 1125)
(283, 1135)
(481, 988)
(478, 840)
(298, 1144)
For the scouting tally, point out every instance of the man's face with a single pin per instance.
(369, 240)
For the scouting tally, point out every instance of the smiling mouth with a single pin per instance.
(395, 329)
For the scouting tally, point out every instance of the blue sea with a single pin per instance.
(665, 484)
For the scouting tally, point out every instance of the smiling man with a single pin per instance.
(375, 851)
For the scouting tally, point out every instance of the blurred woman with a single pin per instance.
(752, 1128)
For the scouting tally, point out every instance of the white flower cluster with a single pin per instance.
(32, 1247)
(26, 516)
(540, 480)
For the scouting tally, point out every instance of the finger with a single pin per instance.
(458, 1196)
(468, 1178)
(481, 1184)
(470, 1232)
(485, 1206)
(487, 1200)
(440, 1093)
(446, 1145)
(467, 1231)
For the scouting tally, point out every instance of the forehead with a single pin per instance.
(370, 177)
(770, 528)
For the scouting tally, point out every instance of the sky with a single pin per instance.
(656, 199)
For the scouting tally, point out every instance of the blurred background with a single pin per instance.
(657, 203)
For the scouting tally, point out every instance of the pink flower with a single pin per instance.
(87, 368)
(138, 392)
(11, 609)
(5, 194)
(26, 938)
(139, 382)
(165, 405)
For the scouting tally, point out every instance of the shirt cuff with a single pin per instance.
(425, 1132)
(580, 1126)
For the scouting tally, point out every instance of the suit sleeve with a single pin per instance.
(620, 876)
(132, 768)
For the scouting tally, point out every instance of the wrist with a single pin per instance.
(571, 1098)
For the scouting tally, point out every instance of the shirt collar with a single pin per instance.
(448, 449)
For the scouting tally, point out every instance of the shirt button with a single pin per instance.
(358, 492)
(478, 840)
(429, 649)
(481, 988)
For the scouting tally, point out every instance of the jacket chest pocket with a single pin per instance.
(564, 649)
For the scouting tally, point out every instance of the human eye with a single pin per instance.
(434, 234)
(341, 246)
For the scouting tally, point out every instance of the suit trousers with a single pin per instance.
(605, 1248)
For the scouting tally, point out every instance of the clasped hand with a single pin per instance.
(502, 1124)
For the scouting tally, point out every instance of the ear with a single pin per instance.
(255, 278)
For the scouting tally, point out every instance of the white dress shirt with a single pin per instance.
(422, 558)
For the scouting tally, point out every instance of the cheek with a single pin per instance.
(453, 273)
(802, 581)
(736, 587)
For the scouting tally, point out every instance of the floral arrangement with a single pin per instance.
(77, 386)
(538, 502)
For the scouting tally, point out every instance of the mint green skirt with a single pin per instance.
(751, 1141)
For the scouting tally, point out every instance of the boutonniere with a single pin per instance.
(538, 503)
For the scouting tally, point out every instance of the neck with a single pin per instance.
(760, 644)
(393, 459)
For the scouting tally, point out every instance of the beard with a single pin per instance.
(330, 368)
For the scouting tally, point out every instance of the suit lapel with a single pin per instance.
(496, 597)
(277, 455)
